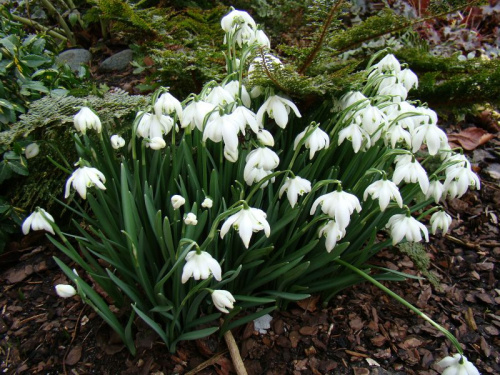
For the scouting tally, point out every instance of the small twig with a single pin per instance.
(208, 362)
(235, 353)
(463, 243)
(38, 26)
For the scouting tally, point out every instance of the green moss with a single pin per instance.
(417, 253)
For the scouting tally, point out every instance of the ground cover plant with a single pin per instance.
(190, 202)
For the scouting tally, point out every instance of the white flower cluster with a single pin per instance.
(240, 26)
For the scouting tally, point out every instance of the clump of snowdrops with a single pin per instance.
(235, 199)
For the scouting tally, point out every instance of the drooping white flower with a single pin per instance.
(384, 190)
(38, 220)
(397, 134)
(154, 125)
(410, 170)
(435, 190)
(200, 266)
(278, 109)
(316, 141)
(225, 127)
(65, 290)
(431, 135)
(190, 219)
(231, 154)
(265, 138)
(440, 220)
(246, 117)
(252, 175)
(168, 104)
(219, 96)
(408, 79)
(31, 150)
(356, 134)
(207, 203)
(294, 187)
(156, 143)
(194, 114)
(262, 157)
(397, 92)
(177, 201)
(333, 233)
(234, 18)
(87, 119)
(233, 87)
(458, 181)
(261, 39)
(457, 365)
(246, 221)
(372, 119)
(351, 98)
(389, 64)
(403, 226)
(339, 205)
(117, 141)
(223, 300)
(83, 178)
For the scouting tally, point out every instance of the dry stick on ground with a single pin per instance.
(235, 353)
(208, 362)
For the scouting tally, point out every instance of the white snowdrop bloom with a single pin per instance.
(247, 221)
(265, 138)
(219, 96)
(294, 187)
(409, 170)
(372, 119)
(246, 117)
(397, 92)
(408, 79)
(440, 220)
(252, 175)
(207, 203)
(389, 64)
(262, 157)
(117, 141)
(234, 18)
(231, 154)
(83, 178)
(225, 127)
(386, 80)
(190, 219)
(168, 104)
(200, 266)
(430, 117)
(397, 134)
(429, 134)
(457, 365)
(177, 201)
(333, 233)
(403, 226)
(223, 300)
(233, 88)
(278, 109)
(154, 125)
(456, 161)
(351, 98)
(384, 191)
(316, 141)
(458, 181)
(356, 134)
(156, 143)
(194, 114)
(256, 91)
(339, 205)
(65, 290)
(435, 190)
(261, 39)
(31, 150)
(38, 220)
(87, 119)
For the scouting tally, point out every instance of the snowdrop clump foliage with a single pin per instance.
(235, 198)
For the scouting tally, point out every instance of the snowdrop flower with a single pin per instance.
(156, 143)
(83, 178)
(384, 190)
(194, 114)
(402, 225)
(410, 170)
(247, 221)
(190, 219)
(177, 201)
(231, 154)
(236, 17)
(397, 134)
(456, 161)
(397, 91)
(278, 109)
(87, 119)
(225, 127)
(458, 181)
(350, 98)
(317, 140)
(408, 79)
(261, 39)
(333, 233)
(233, 88)
(168, 104)
(246, 117)
(385, 80)
(223, 300)
(435, 190)
(253, 175)
(429, 134)
(356, 135)
(65, 290)
(154, 125)
(262, 157)
(339, 205)
(38, 220)
(117, 141)
(265, 138)
(294, 187)
(199, 265)
(440, 220)
(207, 203)
(219, 96)
(31, 150)
(457, 365)
(389, 64)
(372, 119)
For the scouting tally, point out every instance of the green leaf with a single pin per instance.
(288, 296)
(251, 317)
(34, 61)
(195, 335)
(156, 327)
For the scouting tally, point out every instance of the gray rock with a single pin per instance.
(75, 58)
(119, 61)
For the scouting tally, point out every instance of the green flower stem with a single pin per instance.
(40, 27)
(69, 34)
(379, 285)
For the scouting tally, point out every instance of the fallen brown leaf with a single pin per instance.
(470, 138)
